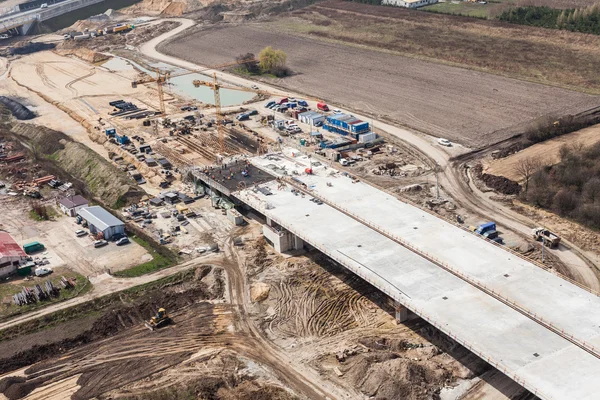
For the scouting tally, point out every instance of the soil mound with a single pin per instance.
(98, 176)
(31, 47)
(498, 183)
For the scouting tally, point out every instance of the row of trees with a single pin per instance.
(570, 188)
(585, 19)
(269, 61)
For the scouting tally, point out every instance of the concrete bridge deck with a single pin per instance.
(25, 19)
(539, 329)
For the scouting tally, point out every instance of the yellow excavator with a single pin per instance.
(159, 320)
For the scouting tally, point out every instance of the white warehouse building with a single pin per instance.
(408, 3)
(101, 221)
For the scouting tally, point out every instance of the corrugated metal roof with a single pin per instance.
(10, 248)
(99, 217)
(73, 201)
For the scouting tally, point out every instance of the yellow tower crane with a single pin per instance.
(216, 86)
(163, 76)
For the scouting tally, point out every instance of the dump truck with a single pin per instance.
(549, 239)
(159, 320)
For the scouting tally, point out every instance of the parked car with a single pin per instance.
(100, 243)
(253, 112)
(337, 111)
(122, 241)
(302, 103)
(270, 104)
(444, 142)
(80, 233)
(44, 5)
(41, 271)
(255, 87)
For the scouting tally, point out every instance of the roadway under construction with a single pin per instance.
(538, 328)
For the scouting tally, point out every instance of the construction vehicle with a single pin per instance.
(550, 239)
(159, 320)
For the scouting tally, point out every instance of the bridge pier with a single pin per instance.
(401, 313)
(280, 238)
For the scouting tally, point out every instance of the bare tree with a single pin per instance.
(526, 168)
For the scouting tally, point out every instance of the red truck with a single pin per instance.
(322, 106)
(283, 100)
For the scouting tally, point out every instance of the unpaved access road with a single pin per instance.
(105, 284)
(583, 265)
(473, 108)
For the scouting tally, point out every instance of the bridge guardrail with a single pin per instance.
(392, 291)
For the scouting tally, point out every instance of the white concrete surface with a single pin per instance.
(490, 328)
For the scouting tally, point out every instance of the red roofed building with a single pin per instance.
(10, 255)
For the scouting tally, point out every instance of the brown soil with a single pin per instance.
(473, 108)
(499, 183)
(322, 313)
(117, 318)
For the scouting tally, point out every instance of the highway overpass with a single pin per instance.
(20, 22)
(538, 328)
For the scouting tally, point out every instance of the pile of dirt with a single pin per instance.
(16, 387)
(396, 368)
(31, 47)
(85, 54)
(120, 312)
(166, 7)
(100, 178)
(18, 110)
(498, 183)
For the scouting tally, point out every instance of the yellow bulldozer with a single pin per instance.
(159, 320)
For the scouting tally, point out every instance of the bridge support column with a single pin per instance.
(401, 313)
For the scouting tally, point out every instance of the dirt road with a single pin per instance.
(474, 108)
(105, 284)
(576, 259)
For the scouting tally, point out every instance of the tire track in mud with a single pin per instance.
(318, 305)
(39, 70)
(71, 83)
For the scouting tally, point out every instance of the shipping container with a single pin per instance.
(33, 247)
(367, 137)
(359, 127)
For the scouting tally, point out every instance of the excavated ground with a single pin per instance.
(116, 349)
(339, 325)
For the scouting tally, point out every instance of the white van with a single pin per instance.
(44, 5)
(41, 271)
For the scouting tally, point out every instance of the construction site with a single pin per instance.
(175, 226)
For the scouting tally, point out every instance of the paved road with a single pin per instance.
(579, 263)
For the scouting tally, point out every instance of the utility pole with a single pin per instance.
(437, 182)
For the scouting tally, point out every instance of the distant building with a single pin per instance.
(70, 205)
(101, 221)
(10, 255)
(408, 3)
